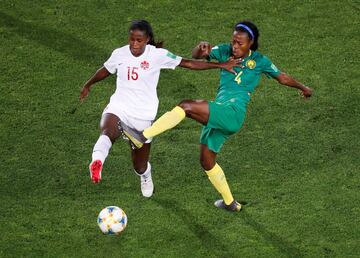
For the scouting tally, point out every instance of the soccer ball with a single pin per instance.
(112, 220)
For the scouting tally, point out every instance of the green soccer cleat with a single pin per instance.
(135, 137)
(234, 206)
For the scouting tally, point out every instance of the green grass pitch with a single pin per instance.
(295, 162)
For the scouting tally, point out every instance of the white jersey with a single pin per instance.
(137, 79)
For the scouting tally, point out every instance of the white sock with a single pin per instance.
(147, 172)
(101, 148)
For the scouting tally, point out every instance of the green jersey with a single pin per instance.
(236, 89)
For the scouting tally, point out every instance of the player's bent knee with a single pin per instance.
(206, 164)
(186, 105)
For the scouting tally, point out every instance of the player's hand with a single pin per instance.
(306, 93)
(231, 63)
(205, 48)
(84, 93)
(202, 50)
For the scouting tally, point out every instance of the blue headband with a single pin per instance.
(247, 29)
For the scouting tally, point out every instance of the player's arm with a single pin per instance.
(287, 80)
(202, 50)
(99, 75)
(203, 65)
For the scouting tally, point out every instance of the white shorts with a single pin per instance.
(133, 122)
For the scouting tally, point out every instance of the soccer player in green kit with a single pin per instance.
(225, 115)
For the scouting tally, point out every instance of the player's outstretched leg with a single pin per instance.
(195, 109)
(165, 122)
(110, 133)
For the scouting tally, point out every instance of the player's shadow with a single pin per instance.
(53, 39)
(283, 246)
(214, 244)
(209, 240)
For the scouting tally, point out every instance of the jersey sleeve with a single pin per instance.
(219, 53)
(167, 60)
(111, 63)
(269, 69)
(214, 54)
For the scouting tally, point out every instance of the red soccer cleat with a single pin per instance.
(95, 168)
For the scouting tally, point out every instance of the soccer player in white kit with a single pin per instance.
(135, 102)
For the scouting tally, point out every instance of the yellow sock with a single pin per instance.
(217, 178)
(165, 122)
